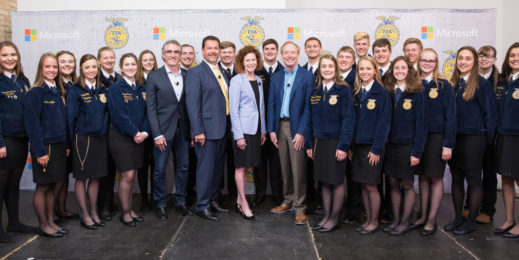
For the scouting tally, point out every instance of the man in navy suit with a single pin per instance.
(208, 109)
(166, 108)
(313, 48)
(288, 122)
(269, 153)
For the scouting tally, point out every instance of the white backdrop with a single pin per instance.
(132, 31)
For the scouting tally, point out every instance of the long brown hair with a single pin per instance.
(73, 75)
(486, 50)
(506, 70)
(139, 77)
(39, 81)
(18, 69)
(81, 80)
(436, 74)
(473, 82)
(413, 83)
(337, 75)
(358, 80)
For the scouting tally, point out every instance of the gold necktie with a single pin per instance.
(223, 87)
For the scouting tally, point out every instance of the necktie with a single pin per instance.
(462, 82)
(363, 95)
(223, 88)
(325, 89)
(13, 78)
(133, 87)
(381, 72)
(54, 90)
(398, 93)
(424, 82)
(111, 79)
(270, 72)
(229, 72)
(311, 69)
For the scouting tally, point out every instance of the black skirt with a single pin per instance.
(431, 164)
(507, 155)
(468, 152)
(90, 156)
(126, 153)
(17, 150)
(326, 167)
(397, 163)
(251, 157)
(56, 169)
(361, 171)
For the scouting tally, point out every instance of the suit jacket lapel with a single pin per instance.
(167, 82)
(295, 85)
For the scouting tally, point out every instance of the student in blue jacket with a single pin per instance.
(146, 64)
(13, 140)
(372, 106)
(406, 139)
(507, 149)
(129, 128)
(441, 117)
(330, 134)
(45, 117)
(476, 123)
(88, 124)
(67, 73)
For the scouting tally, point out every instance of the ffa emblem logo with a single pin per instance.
(332, 100)
(252, 33)
(371, 104)
(102, 98)
(515, 95)
(449, 63)
(387, 29)
(144, 95)
(116, 36)
(407, 104)
(433, 93)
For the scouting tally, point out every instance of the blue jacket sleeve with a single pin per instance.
(449, 109)
(383, 125)
(421, 129)
(118, 112)
(234, 106)
(73, 103)
(303, 127)
(194, 102)
(2, 142)
(32, 113)
(487, 99)
(271, 109)
(348, 120)
(309, 139)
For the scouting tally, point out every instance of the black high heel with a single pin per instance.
(83, 224)
(245, 216)
(129, 223)
(501, 231)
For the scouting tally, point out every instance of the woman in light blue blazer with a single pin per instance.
(247, 112)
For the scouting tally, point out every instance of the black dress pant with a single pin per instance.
(270, 166)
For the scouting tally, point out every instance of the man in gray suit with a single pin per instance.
(167, 115)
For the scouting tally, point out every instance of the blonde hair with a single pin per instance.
(39, 81)
(290, 42)
(358, 80)
(436, 74)
(360, 36)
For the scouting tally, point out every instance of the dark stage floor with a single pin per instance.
(270, 237)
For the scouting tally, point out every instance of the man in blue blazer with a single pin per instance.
(167, 115)
(208, 109)
(288, 121)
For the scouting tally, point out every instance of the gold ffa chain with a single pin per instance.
(82, 161)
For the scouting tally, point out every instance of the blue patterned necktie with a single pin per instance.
(398, 93)
(424, 82)
(363, 94)
(270, 72)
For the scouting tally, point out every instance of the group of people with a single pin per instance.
(352, 129)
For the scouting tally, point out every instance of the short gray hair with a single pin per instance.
(170, 42)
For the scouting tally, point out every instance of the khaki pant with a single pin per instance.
(293, 169)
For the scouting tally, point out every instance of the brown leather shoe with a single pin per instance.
(483, 218)
(300, 219)
(281, 208)
(465, 214)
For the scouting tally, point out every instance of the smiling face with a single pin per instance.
(129, 68)
(290, 56)
(412, 52)
(400, 71)
(89, 70)
(327, 70)
(250, 62)
(107, 60)
(513, 60)
(382, 55)
(8, 58)
(148, 62)
(270, 53)
(313, 49)
(66, 64)
(227, 56)
(427, 63)
(361, 47)
(171, 55)
(187, 56)
(486, 60)
(50, 69)
(211, 51)
(345, 61)
(465, 62)
(366, 71)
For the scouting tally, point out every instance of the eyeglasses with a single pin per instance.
(487, 56)
(428, 61)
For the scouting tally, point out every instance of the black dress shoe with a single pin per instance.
(20, 228)
(185, 211)
(106, 216)
(83, 224)
(63, 231)
(388, 229)
(218, 208)
(161, 213)
(426, 232)
(258, 200)
(507, 234)
(501, 231)
(359, 228)
(414, 225)
(129, 223)
(207, 214)
(326, 230)
(45, 234)
(465, 229)
(368, 232)
(316, 227)
(138, 219)
(396, 232)
(451, 226)
(99, 224)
